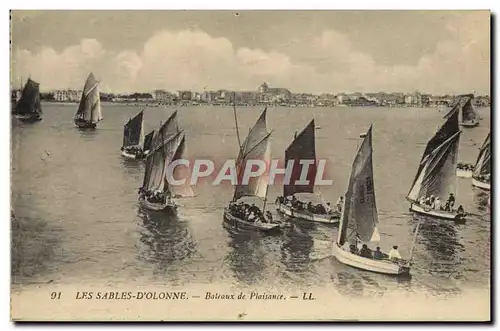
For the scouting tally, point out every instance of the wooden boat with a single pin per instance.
(156, 176)
(468, 117)
(436, 174)
(481, 176)
(29, 108)
(256, 146)
(359, 220)
(88, 113)
(464, 170)
(133, 138)
(303, 148)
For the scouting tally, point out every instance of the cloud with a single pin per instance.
(196, 60)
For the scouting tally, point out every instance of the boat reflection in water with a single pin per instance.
(296, 249)
(438, 251)
(246, 258)
(165, 242)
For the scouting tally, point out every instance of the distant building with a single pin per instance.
(184, 95)
(162, 96)
(67, 95)
(273, 94)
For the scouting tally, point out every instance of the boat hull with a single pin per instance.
(327, 219)
(239, 224)
(379, 266)
(441, 214)
(82, 124)
(480, 184)
(464, 173)
(469, 124)
(132, 156)
(30, 118)
(158, 207)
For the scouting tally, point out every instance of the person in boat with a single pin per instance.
(447, 206)
(394, 254)
(321, 209)
(328, 208)
(451, 200)
(269, 216)
(340, 202)
(378, 255)
(460, 210)
(353, 249)
(437, 204)
(365, 252)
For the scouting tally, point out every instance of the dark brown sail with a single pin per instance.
(302, 148)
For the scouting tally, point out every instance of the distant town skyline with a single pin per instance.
(439, 52)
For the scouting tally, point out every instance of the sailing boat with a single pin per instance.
(156, 192)
(28, 108)
(470, 118)
(88, 113)
(303, 148)
(255, 146)
(435, 176)
(482, 170)
(359, 220)
(133, 138)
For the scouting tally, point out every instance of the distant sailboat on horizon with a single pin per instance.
(88, 113)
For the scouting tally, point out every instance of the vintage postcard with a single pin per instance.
(250, 165)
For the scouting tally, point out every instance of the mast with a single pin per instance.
(414, 241)
(236, 124)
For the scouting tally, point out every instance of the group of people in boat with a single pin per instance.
(465, 166)
(155, 196)
(305, 206)
(249, 213)
(483, 178)
(377, 254)
(436, 203)
(137, 151)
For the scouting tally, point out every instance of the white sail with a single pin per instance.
(181, 171)
(89, 108)
(483, 163)
(359, 220)
(256, 147)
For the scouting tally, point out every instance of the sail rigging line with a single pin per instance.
(237, 130)
(166, 142)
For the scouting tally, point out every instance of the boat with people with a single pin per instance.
(464, 170)
(436, 174)
(293, 203)
(156, 193)
(243, 214)
(89, 113)
(133, 138)
(468, 117)
(481, 176)
(359, 223)
(28, 108)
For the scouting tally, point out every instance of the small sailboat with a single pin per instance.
(436, 174)
(464, 170)
(133, 138)
(88, 113)
(156, 193)
(469, 116)
(237, 214)
(481, 176)
(359, 220)
(29, 108)
(303, 148)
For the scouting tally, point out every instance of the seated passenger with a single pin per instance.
(365, 252)
(394, 254)
(378, 255)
